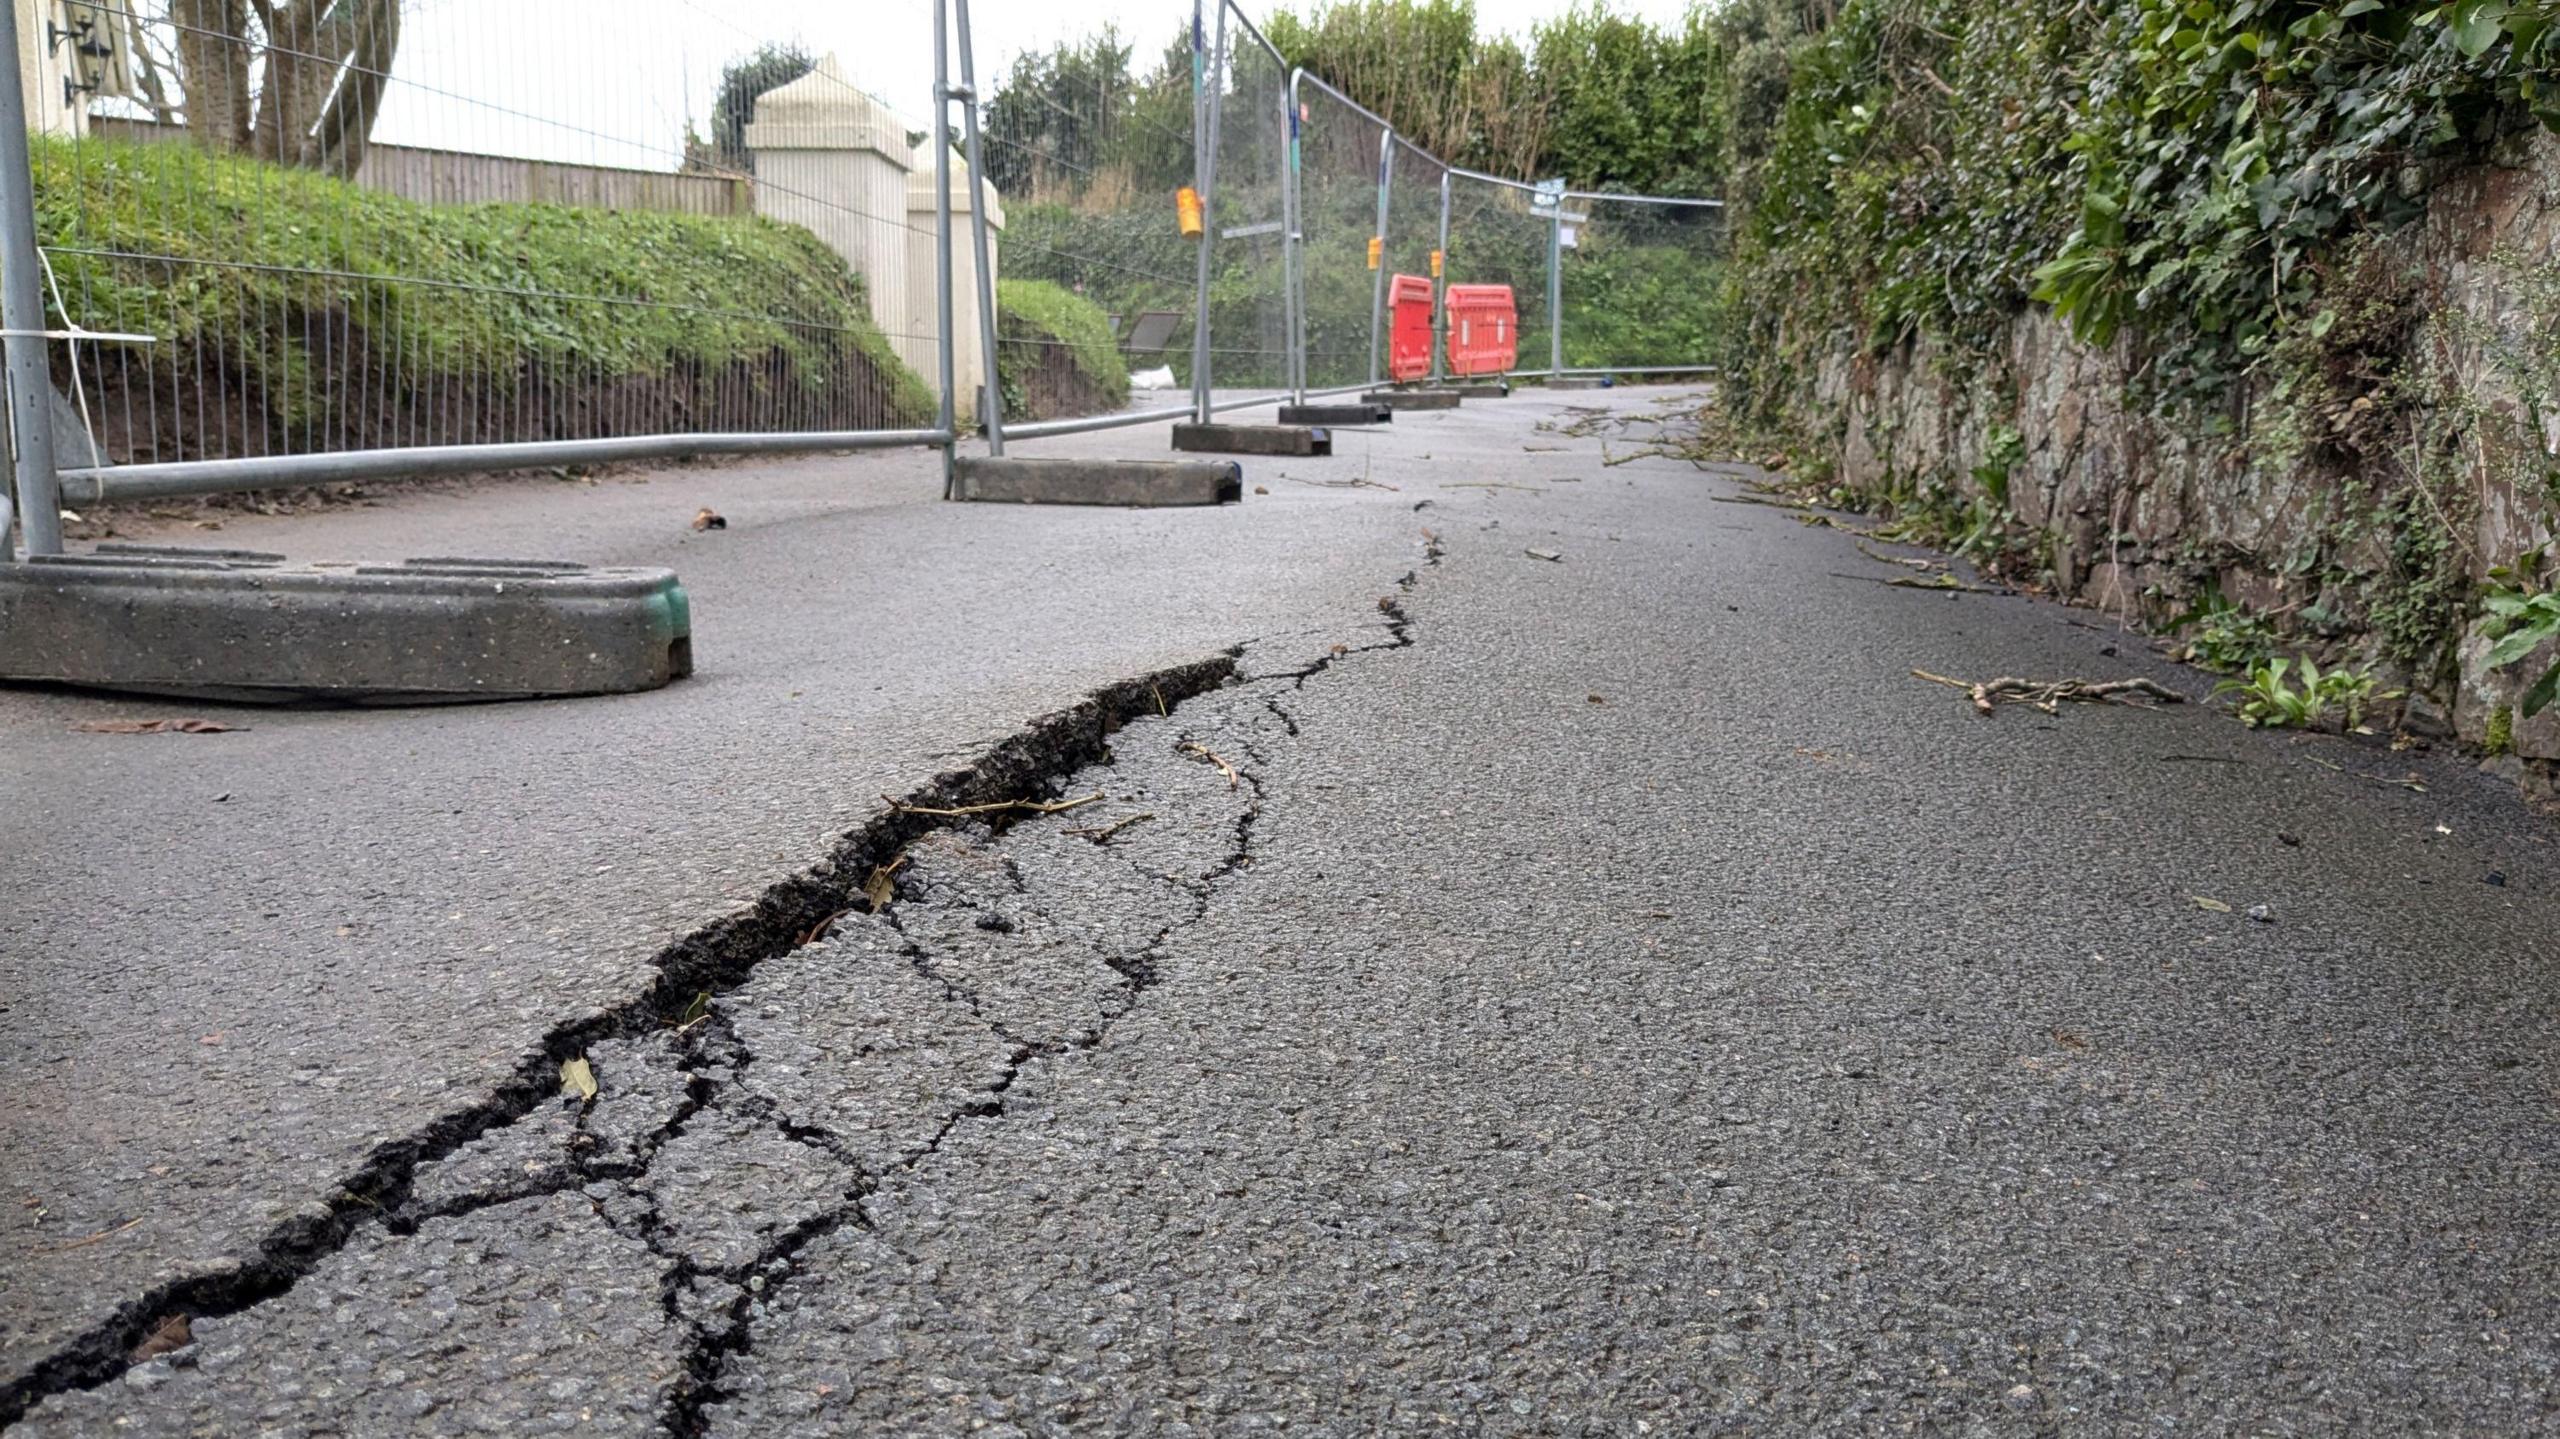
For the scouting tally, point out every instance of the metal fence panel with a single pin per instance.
(1089, 148)
(289, 310)
(1499, 236)
(1245, 283)
(1341, 159)
(1639, 283)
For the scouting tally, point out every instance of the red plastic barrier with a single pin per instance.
(1409, 330)
(1484, 330)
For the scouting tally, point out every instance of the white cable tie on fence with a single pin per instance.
(76, 333)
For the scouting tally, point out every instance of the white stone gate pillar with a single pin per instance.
(969, 369)
(836, 162)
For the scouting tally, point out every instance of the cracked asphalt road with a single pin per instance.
(1607, 995)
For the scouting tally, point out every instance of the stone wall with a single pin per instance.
(2143, 513)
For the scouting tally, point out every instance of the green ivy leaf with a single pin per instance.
(2545, 689)
(2476, 25)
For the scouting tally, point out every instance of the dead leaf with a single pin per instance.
(1341, 650)
(2070, 1039)
(882, 886)
(1262, 489)
(166, 1337)
(578, 1077)
(2215, 905)
(1597, 699)
(1553, 557)
(156, 726)
(708, 518)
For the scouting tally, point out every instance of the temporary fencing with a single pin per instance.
(1500, 235)
(263, 258)
(1634, 273)
(1244, 256)
(1340, 277)
(249, 278)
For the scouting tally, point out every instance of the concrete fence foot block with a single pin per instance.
(1413, 399)
(1336, 416)
(1139, 483)
(1214, 439)
(1575, 382)
(1481, 389)
(240, 625)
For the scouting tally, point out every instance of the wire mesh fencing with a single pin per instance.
(1638, 280)
(1498, 235)
(1341, 150)
(1411, 250)
(1247, 297)
(1088, 147)
(318, 233)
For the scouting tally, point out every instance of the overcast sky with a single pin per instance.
(613, 82)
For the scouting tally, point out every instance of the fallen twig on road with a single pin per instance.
(1104, 834)
(1907, 561)
(1765, 500)
(1035, 806)
(1212, 756)
(1492, 485)
(2048, 695)
(2408, 782)
(1939, 582)
(101, 1235)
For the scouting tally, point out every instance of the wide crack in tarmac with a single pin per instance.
(542, 1262)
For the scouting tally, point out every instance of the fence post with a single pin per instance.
(1378, 284)
(968, 96)
(1204, 169)
(1440, 283)
(947, 335)
(30, 374)
(1292, 215)
(1555, 291)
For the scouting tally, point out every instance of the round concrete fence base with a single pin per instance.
(245, 626)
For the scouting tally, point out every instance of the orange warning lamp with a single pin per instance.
(1375, 246)
(1186, 205)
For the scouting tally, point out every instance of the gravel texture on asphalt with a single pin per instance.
(1596, 990)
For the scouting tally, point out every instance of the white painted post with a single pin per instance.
(969, 369)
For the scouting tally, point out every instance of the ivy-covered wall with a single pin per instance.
(2239, 318)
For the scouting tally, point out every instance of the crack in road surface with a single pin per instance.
(782, 1062)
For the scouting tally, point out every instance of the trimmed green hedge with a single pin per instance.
(496, 293)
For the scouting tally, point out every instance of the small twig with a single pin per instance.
(1775, 504)
(1103, 835)
(1492, 485)
(2049, 695)
(1937, 582)
(1035, 806)
(1192, 747)
(102, 1234)
(819, 930)
(2408, 782)
(1907, 561)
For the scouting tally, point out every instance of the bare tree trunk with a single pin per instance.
(147, 64)
(345, 128)
(300, 70)
(213, 63)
